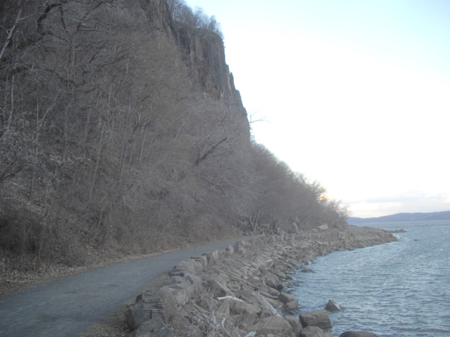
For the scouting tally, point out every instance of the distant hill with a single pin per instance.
(402, 217)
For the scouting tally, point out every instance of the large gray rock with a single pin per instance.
(270, 280)
(264, 303)
(218, 289)
(274, 303)
(136, 314)
(185, 267)
(224, 308)
(148, 306)
(192, 266)
(357, 334)
(174, 280)
(248, 297)
(314, 331)
(246, 320)
(239, 247)
(238, 307)
(317, 318)
(155, 328)
(295, 324)
(292, 305)
(212, 258)
(186, 286)
(265, 313)
(273, 325)
(280, 285)
(285, 297)
(229, 250)
(174, 296)
(267, 295)
(203, 260)
(195, 281)
(332, 306)
(189, 282)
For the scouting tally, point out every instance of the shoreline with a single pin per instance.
(241, 290)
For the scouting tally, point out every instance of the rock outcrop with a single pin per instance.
(240, 290)
(319, 318)
(202, 50)
(314, 331)
(332, 306)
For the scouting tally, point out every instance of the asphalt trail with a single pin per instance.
(71, 304)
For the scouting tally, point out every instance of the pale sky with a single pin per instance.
(356, 94)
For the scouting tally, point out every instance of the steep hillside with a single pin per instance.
(121, 132)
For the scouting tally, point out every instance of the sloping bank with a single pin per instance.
(239, 291)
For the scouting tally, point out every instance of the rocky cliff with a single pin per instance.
(121, 129)
(202, 50)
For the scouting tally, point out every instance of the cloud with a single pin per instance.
(407, 204)
(409, 198)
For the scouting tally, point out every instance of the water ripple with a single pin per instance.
(396, 289)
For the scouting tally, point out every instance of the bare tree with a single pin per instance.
(107, 137)
(197, 18)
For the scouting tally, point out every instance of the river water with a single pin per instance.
(396, 289)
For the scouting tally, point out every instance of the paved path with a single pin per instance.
(71, 304)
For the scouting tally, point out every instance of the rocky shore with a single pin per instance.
(240, 291)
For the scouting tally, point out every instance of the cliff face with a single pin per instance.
(202, 51)
(158, 14)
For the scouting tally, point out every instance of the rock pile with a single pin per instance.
(240, 291)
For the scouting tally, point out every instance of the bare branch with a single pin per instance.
(253, 120)
(10, 34)
(207, 153)
(212, 183)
